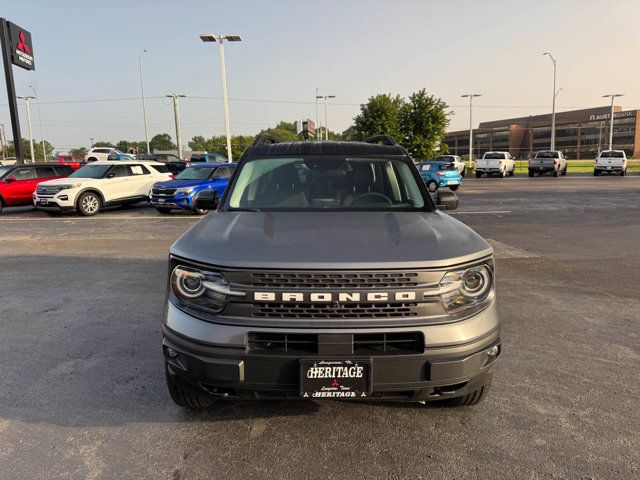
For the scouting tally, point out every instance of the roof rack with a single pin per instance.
(384, 139)
(265, 139)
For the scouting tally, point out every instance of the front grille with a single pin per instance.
(48, 189)
(341, 311)
(163, 192)
(335, 280)
(283, 342)
(397, 343)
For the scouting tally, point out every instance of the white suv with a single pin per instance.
(100, 153)
(100, 184)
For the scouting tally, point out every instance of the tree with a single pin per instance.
(102, 144)
(26, 149)
(381, 115)
(285, 131)
(161, 141)
(78, 152)
(423, 124)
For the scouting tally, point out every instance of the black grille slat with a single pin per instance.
(397, 343)
(335, 280)
(356, 310)
(48, 189)
(163, 192)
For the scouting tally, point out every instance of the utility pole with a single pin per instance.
(470, 96)
(44, 149)
(553, 105)
(26, 98)
(91, 138)
(613, 96)
(210, 37)
(326, 126)
(176, 114)
(144, 109)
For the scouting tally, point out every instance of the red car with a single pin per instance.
(71, 160)
(18, 182)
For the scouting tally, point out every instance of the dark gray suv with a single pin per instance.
(327, 271)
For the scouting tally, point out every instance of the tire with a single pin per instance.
(187, 398)
(1, 205)
(462, 172)
(88, 204)
(531, 174)
(432, 186)
(163, 210)
(564, 171)
(92, 159)
(453, 188)
(512, 172)
(555, 172)
(470, 399)
(623, 173)
(478, 174)
(596, 173)
(199, 211)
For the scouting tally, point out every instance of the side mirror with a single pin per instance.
(446, 200)
(111, 175)
(207, 200)
(10, 179)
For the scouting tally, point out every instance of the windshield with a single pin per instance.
(612, 154)
(547, 155)
(494, 156)
(446, 158)
(90, 171)
(195, 173)
(326, 183)
(4, 171)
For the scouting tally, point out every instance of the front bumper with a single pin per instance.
(54, 203)
(214, 358)
(185, 202)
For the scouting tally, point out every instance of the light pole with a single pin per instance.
(91, 138)
(3, 142)
(326, 127)
(176, 114)
(211, 37)
(317, 117)
(470, 96)
(144, 108)
(613, 96)
(553, 106)
(26, 98)
(44, 149)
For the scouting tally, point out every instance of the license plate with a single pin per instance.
(161, 201)
(347, 379)
(44, 202)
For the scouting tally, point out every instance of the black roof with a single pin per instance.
(324, 148)
(40, 164)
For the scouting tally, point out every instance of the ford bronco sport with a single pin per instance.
(327, 271)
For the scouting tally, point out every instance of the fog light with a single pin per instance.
(171, 353)
(493, 351)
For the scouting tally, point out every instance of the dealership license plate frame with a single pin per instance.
(312, 388)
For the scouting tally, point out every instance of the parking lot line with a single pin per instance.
(487, 212)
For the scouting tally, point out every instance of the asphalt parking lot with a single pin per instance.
(83, 395)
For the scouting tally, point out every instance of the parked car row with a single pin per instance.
(58, 187)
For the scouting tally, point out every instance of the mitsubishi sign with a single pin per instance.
(21, 48)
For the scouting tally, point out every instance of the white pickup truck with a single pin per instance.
(611, 161)
(496, 163)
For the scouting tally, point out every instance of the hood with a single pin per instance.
(331, 240)
(184, 183)
(66, 180)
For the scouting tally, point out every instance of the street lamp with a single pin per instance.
(613, 96)
(326, 126)
(211, 37)
(470, 96)
(44, 149)
(317, 117)
(144, 109)
(176, 114)
(553, 107)
(26, 98)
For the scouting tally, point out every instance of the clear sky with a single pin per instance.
(88, 50)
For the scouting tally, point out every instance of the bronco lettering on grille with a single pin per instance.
(327, 297)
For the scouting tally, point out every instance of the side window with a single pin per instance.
(222, 172)
(119, 171)
(138, 170)
(62, 170)
(45, 172)
(23, 173)
(160, 168)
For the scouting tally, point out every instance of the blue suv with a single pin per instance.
(181, 192)
(439, 174)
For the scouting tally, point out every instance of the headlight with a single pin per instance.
(466, 288)
(199, 289)
(68, 186)
(184, 191)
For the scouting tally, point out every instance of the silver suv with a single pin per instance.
(328, 271)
